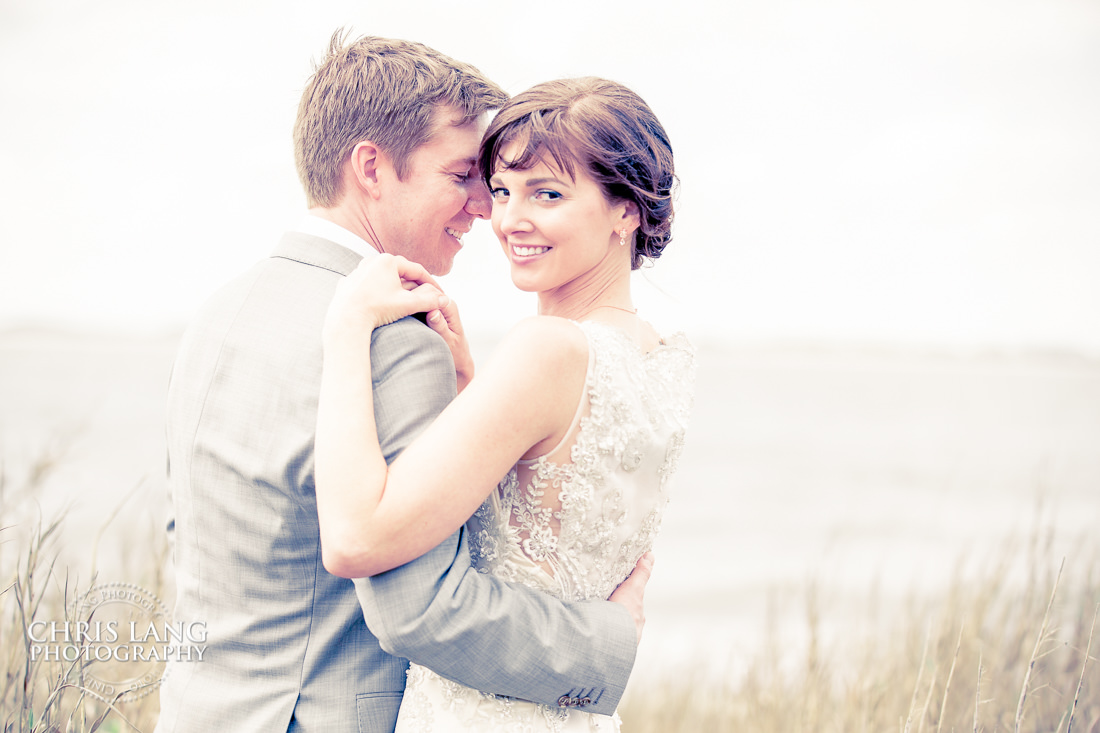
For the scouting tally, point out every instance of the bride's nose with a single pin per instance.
(513, 215)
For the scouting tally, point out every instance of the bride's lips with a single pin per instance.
(527, 251)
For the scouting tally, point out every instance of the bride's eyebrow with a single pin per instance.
(530, 182)
(540, 181)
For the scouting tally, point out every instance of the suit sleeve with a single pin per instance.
(470, 627)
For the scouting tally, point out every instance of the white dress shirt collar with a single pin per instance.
(325, 229)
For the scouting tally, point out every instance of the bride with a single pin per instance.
(582, 409)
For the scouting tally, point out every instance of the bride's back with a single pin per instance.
(575, 520)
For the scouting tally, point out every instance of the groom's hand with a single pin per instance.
(631, 592)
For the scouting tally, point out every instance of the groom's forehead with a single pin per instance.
(453, 142)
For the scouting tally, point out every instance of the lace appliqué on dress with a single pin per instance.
(433, 704)
(574, 522)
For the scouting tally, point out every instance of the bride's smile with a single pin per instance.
(518, 250)
(557, 229)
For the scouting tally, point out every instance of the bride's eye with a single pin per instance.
(498, 193)
(547, 195)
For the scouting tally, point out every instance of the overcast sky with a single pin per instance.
(852, 170)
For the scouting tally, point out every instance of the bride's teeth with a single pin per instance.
(527, 251)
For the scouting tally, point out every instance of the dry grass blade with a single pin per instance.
(29, 667)
(978, 693)
(927, 700)
(114, 514)
(32, 562)
(109, 707)
(1035, 653)
(950, 676)
(52, 702)
(1081, 680)
(916, 687)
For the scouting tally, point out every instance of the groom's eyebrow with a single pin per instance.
(468, 162)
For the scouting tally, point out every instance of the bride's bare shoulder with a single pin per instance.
(545, 342)
(550, 331)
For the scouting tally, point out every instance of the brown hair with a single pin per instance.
(609, 130)
(381, 90)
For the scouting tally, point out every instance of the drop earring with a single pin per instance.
(622, 238)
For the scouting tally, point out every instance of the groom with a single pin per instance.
(385, 141)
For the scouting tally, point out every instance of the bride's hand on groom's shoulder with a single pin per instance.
(631, 592)
(446, 322)
(379, 291)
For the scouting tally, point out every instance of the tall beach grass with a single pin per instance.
(1011, 647)
(42, 693)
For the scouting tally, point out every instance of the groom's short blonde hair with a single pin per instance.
(382, 90)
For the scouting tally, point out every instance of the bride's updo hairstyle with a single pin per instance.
(602, 126)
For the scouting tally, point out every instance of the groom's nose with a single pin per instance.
(479, 203)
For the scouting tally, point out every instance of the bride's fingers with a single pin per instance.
(411, 271)
(438, 323)
(441, 323)
(425, 299)
(383, 289)
(444, 320)
(386, 265)
(449, 317)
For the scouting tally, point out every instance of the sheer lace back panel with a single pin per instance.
(574, 521)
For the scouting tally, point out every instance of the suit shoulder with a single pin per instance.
(407, 331)
(409, 343)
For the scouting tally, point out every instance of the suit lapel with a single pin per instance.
(317, 252)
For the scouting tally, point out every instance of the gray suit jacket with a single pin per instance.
(287, 646)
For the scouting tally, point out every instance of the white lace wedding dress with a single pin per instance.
(574, 522)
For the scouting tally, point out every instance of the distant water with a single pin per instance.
(852, 470)
(846, 468)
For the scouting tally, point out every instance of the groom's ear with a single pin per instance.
(366, 160)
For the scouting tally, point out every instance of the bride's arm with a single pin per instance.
(373, 517)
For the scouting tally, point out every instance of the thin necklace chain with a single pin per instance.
(632, 311)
